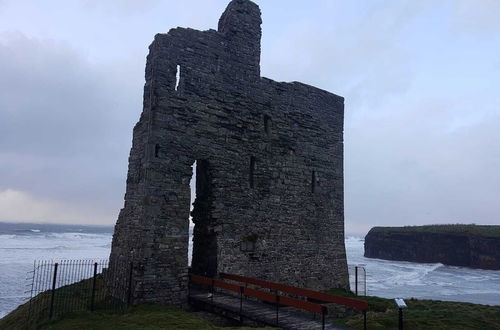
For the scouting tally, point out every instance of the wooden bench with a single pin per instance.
(306, 293)
(273, 298)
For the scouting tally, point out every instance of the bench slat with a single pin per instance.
(324, 297)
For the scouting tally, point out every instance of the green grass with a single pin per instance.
(74, 297)
(423, 314)
(109, 313)
(145, 317)
(457, 229)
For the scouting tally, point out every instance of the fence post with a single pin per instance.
(213, 291)
(93, 288)
(241, 303)
(400, 319)
(356, 278)
(324, 310)
(189, 285)
(54, 279)
(32, 284)
(277, 307)
(129, 294)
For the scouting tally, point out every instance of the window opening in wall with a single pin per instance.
(313, 181)
(192, 186)
(248, 243)
(252, 170)
(267, 124)
(177, 76)
(157, 150)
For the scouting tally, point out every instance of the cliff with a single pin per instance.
(456, 245)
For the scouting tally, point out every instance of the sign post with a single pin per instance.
(401, 305)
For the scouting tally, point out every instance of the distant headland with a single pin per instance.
(475, 246)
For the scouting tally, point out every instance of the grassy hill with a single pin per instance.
(459, 229)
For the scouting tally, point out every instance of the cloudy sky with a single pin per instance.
(421, 81)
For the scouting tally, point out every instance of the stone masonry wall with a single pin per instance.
(269, 168)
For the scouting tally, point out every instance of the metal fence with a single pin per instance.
(57, 288)
(357, 279)
(71, 286)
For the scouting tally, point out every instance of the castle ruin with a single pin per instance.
(269, 175)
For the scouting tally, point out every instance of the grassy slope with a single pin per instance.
(68, 298)
(22, 318)
(146, 317)
(140, 317)
(421, 314)
(477, 230)
(424, 314)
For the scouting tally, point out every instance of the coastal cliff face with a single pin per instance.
(431, 244)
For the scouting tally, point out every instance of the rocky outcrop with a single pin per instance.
(476, 247)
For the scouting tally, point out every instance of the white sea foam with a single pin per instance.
(425, 281)
(5, 237)
(18, 252)
(384, 278)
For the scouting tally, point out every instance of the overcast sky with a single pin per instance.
(420, 78)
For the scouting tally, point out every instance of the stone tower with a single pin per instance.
(269, 175)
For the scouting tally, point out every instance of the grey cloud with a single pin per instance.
(408, 169)
(477, 15)
(120, 6)
(365, 60)
(65, 123)
(413, 153)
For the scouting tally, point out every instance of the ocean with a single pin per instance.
(22, 244)
(391, 279)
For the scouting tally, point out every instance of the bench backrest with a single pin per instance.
(261, 295)
(324, 297)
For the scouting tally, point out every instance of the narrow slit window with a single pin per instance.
(313, 181)
(177, 76)
(157, 150)
(267, 124)
(252, 170)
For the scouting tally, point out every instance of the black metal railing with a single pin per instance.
(59, 287)
(67, 286)
(357, 279)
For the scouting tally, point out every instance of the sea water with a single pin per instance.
(390, 279)
(22, 244)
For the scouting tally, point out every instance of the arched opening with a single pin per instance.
(192, 186)
(203, 250)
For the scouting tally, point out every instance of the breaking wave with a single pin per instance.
(387, 278)
(19, 248)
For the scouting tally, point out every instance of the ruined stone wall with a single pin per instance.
(269, 168)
